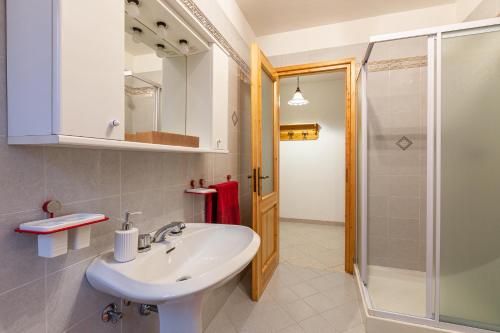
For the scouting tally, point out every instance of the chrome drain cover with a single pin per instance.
(183, 278)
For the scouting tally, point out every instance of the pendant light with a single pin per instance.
(298, 99)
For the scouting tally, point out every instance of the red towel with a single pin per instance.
(209, 208)
(226, 201)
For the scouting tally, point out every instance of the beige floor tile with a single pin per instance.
(295, 328)
(319, 302)
(317, 324)
(356, 329)
(344, 317)
(299, 310)
(303, 289)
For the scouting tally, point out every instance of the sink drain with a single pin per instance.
(183, 278)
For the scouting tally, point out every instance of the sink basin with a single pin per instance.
(205, 256)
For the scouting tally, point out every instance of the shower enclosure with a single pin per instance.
(429, 176)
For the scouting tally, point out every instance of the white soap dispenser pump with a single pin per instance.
(126, 240)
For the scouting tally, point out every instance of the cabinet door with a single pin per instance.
(89, 62)
(220, 88)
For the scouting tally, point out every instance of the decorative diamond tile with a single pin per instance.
(234, 118)
(404, 143)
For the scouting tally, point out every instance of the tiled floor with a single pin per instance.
(308, 293)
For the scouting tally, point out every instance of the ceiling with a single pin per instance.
(273, 16)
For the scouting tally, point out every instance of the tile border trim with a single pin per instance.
(216, 34)
(399, 63)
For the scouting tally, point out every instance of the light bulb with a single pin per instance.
(160, 51)
(136, 34)
(132, 8)
(162, 29)
(184, 46)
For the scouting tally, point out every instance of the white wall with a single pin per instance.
(313, 172)
(356, 31)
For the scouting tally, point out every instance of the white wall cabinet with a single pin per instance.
(65, 68)
(66, 79)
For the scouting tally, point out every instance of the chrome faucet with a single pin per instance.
(171, 229)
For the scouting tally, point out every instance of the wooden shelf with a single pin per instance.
(299, 132)
(82, 142)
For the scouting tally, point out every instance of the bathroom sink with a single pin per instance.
(176, 274)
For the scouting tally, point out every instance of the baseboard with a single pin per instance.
(292, 220)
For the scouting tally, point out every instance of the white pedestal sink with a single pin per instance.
(205, 256)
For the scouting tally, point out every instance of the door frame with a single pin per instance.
(348, 66)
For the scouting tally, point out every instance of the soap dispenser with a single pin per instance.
(126, 240)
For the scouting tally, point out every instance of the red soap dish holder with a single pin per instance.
(56, 235)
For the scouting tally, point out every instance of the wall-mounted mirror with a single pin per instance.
(155, 90)
(157, 46)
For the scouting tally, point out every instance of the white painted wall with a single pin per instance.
(240, 23)
(356, 31)
(313, 172)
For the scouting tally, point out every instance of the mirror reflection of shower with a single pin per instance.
(142, 103)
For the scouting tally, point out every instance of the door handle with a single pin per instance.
(263, 177)
(259, 185)
(254, 179)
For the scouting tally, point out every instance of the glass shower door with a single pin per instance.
(469, 185)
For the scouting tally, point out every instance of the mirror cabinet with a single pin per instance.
(138, 75)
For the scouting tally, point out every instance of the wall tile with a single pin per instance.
(19, 261)
(377, 206)
(403, 228)
(404, 207)
(142, 171)
(23, 309)
(404, 185)
(175, 166)
(378, 227)
(70, 298)
(21, 178)
(94, 324)
(72, 175)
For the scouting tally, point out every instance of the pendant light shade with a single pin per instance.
(298, 99)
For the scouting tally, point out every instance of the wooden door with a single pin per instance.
(265, 169)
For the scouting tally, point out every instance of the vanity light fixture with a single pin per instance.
(184, 46)
(136, 34)
(132, 8)
(298, 99)
(162, 29)
(160, 51)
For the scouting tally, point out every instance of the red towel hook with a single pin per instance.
(228, 177)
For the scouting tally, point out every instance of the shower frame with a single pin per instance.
(434, 36)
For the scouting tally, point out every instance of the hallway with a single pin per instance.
(309, 292)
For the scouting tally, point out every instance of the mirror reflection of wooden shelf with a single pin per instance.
(164, 138)
(299, 132)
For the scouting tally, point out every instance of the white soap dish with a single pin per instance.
(53, 233)
(201, 190)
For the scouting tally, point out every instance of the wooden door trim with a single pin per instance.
(349, 67)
